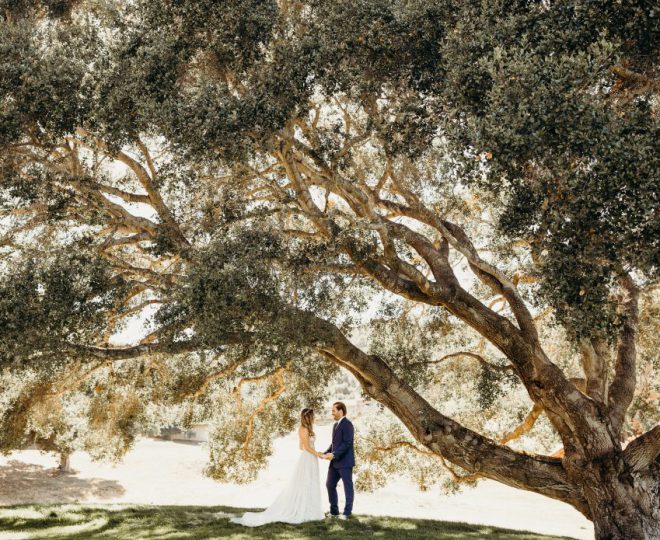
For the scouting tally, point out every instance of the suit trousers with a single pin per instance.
(346, 476)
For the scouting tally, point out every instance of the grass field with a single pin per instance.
(119, 522)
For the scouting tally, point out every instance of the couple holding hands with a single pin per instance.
(300, 500)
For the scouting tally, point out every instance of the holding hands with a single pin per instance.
(329, 457)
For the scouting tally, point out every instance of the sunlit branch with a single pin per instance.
(75, 384)
(525, 426)
(471, 355)
(405, 444)
(278, 377)
(231, 368)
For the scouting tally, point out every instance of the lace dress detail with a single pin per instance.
(299, 501)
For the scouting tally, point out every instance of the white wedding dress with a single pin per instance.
(299, 501)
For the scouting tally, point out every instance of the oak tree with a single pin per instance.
(467, 184)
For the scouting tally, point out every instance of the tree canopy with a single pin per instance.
(457, 202)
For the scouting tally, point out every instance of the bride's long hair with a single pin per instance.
(307, 420)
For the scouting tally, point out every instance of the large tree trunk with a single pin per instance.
(623, 504)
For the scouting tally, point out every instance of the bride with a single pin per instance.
(300, 500)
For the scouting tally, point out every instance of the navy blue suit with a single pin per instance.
(341, 465)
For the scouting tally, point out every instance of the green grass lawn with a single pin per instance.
(171, 522)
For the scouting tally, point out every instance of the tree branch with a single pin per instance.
(231, 368)
(525, 426)
(593, 366)
(468, 354)
(643, 450)
(622, 389)
(147, 183)
(405, 444)
(279, 379)
(463, 447)
(134, 351)
(571, 412)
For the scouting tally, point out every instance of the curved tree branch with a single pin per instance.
(525, 426)
(463, 447)
(468, 354)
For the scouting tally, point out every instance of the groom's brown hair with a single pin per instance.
(340, 406)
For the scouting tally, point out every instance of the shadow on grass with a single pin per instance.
(193, 522)
(28, 483)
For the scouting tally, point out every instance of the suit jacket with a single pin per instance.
(342, 445)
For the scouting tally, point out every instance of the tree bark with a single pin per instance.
(623, 503)
(442, 435)
(618, 491)
(65, 463)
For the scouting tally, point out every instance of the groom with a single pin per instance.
(342, 460)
